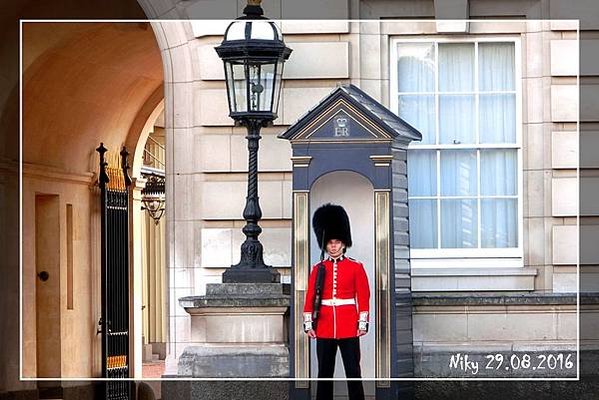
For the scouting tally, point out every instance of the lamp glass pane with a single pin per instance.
(237, 82)
(236, 31)
(277, 87)
(262, 30)
(261, 80)
(230, 86)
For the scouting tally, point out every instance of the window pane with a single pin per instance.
(419, 111)
(459, 223)
(497, 120)
(456, 67)
(456, 119)
(422, 172)
(496, 66)
(416, 67)
(498, 172)
(499, 227)
(458, 173)
(423, 224)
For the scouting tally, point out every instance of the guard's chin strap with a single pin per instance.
(323, 246)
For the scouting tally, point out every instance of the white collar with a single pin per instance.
(340, 258)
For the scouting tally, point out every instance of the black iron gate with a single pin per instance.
(114, 184)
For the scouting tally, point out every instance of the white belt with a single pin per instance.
(337, 302)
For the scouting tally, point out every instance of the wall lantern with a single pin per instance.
(152, 195)
(253, 53)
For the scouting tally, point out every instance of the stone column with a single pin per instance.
(135, 278)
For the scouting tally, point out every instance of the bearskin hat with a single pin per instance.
(330, 221)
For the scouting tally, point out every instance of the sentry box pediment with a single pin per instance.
(349, 115)
(347, 131)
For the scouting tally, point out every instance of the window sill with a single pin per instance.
(473, 279)
(465, 262)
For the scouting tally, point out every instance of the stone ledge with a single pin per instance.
(190, 302)
(419, 299)
(239, 295)
(253, 289)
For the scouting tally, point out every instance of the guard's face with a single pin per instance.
(335, 247)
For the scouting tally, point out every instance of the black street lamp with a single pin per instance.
(253, 53)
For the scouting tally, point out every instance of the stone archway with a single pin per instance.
(176, 42)
(83, 83)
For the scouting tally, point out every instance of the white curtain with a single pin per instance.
(416, 67)
(423, 163)
(456, 112)
(497, 111)
(496, 67)
(456, 67)
(457, 125)
(459, 223)
(419, 111)
(416, 74)
(498, 172)
(498, 177)
(459, 217)
(423, 223)
(423, 212)
(497, 116)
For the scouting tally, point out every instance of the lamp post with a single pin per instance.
(253, 53)
(252, 341)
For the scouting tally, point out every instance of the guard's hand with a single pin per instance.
(361, 332)
(311, 333)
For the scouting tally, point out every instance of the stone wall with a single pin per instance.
(207, 153)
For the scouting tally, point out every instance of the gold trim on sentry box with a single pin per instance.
(301, 261)
(383, 298)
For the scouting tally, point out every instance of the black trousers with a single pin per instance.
(326, 351)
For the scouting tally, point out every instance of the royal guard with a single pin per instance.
(336, 310)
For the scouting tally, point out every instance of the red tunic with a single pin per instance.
(345, 279)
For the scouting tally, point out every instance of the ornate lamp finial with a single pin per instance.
(253, 9)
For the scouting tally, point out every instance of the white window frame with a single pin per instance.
(465, 257)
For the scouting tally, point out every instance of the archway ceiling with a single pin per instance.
(84, 83)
